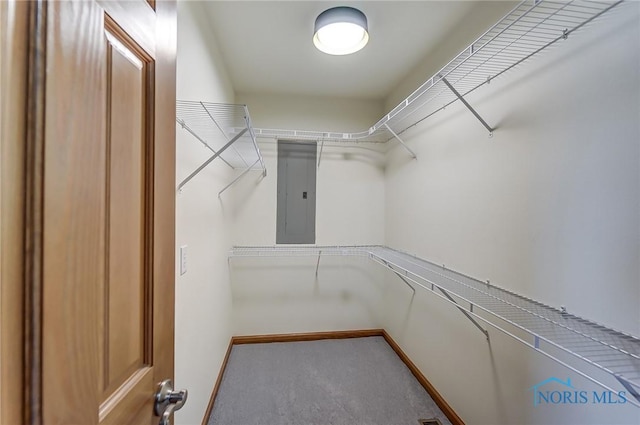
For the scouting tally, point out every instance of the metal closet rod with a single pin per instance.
(529, 28)
(547, 328)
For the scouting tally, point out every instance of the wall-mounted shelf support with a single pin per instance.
(318, 263)
(397, 273)
(224, 129)
(194, 134)
(210, 160)
(433, 287)
(241, 175)
(629, 386)
(469, 107)
(404, 145)
(320, 155)
(463, 311)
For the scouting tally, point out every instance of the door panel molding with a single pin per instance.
(33, 215)
(126, 316)
(133, 395)
(135, 20)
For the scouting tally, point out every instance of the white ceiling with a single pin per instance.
(267, 47)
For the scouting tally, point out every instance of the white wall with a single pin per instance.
(203, 222)
(549, 207)
(349, 210)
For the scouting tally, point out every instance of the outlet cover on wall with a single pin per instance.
(183, 259)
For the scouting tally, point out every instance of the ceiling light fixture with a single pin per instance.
(340, 31)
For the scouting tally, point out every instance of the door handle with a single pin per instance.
(168, 401)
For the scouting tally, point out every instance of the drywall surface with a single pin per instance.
(549, 208)
(203, 223)
(349, 210)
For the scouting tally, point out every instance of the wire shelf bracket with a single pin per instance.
(463, 311)
(210, 160)
(241, 175)
(320, 154)
(469, 107)
(397, 273)
(318, 263)
(547, 329)
(224, 126)
(404, 145)
(194, 134)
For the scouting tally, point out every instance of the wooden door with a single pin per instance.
(100, 210)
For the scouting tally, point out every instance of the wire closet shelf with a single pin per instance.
(545, 329)
(226, 131)
(529, 28)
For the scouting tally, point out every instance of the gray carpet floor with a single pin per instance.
(331, 382)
